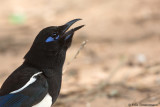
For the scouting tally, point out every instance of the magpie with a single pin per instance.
(37, 82)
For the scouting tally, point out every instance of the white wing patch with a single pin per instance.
(31, 81)
(46, 102)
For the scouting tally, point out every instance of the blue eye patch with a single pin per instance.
(50, 39)
(57, 37)
(68, 37)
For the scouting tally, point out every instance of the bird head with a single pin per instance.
(51, 44)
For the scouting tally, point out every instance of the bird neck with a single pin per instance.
(44, 60)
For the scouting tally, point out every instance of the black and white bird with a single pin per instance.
(37, 82)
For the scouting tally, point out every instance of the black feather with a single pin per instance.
(47, 54)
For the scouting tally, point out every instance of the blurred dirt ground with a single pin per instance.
(119, 66)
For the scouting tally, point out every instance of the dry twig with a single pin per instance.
(75, 56)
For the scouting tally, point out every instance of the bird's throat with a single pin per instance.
(41, 60)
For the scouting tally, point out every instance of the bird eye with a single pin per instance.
(50, 38)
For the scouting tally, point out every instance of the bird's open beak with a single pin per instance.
(65, 27)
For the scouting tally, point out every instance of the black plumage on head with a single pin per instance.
(50, 46)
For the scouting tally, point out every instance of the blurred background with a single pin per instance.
(118, 67)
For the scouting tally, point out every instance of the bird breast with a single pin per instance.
(46, 102)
